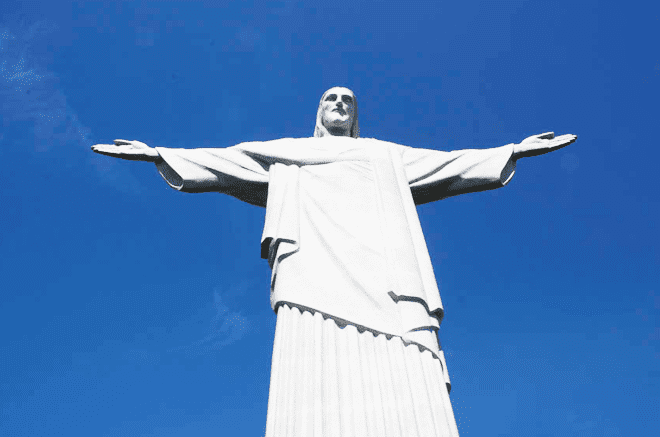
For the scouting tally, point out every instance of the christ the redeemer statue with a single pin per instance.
(358, 308)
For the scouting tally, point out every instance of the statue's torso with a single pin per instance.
(354, 242)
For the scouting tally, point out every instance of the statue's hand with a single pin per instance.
(540, 144)
(133, 150)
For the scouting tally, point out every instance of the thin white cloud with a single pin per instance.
(30, 92)
(224, 328)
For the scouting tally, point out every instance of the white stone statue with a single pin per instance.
(358, 308)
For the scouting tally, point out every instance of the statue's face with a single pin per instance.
(338, 109)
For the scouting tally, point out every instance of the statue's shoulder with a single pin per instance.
(290, 145)
(382, 143)
(291, 142)
(269, 145)
(376, 141)
(322, 143)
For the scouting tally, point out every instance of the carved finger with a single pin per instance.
(105, 152)
(566, 139)
(117, 150)
(560, 142)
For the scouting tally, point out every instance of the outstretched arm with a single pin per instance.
(224, 170)
(435, 175)
(540, 144)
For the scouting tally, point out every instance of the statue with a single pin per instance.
(358, 308)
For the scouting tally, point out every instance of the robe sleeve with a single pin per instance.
(434, 175)
(224, 170)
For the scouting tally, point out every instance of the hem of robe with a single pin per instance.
(334, 380)
(342, 323)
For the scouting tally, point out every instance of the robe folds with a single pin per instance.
(341, 234)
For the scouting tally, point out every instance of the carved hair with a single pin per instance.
(321, 131)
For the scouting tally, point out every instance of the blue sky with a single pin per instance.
(129, 309)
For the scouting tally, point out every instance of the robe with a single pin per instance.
(341, 233)
(349, 263)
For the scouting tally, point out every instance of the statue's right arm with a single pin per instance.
(226, 170)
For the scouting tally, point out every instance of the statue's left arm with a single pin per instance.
(434, 175)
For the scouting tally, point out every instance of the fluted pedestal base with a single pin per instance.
(332, 381)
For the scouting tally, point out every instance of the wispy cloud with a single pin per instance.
(225, 327)
(30, 92)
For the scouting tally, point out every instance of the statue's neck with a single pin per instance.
(338, 131)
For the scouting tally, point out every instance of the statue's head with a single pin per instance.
(337, 114)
